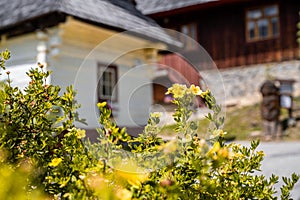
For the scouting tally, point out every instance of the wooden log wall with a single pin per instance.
(221, 31)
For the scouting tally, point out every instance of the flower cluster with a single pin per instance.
(179, 91)
(55, 162)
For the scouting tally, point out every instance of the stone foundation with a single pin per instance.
(241, 85)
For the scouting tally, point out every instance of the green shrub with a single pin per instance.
(37, 128)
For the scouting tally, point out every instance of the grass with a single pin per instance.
(241, 123)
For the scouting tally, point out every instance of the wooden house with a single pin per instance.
(84, 44)
(248, 40)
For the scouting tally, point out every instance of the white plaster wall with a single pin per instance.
(23, 57)
(84, 80)
(23, 49)
(134, 88)
(135, 95)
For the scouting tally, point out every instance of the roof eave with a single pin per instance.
(43, 22)
(33, 24)
(200, 6)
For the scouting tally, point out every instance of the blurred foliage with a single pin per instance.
(43, 155)
(298, 33)
(248, 118)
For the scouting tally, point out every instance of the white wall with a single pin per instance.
(134, 91)
(77, 64)
(23, 57)
(84, 79)
(135, 95)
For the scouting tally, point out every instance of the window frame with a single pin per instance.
(101, 69)
(190, 25)
(271, 34)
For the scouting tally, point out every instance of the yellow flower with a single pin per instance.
(133, 178)
(80, 133)
(215, 148)
(131, 172)
(219, 133)
(223, 152)
(169, 91)
(156, 114)
(124, 194)
(55, 162)
(203, 94)
(177, 90)
(195, 90)
(101, 105)
(21, 155)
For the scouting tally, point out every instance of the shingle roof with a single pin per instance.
(155, 6)
(120, 14)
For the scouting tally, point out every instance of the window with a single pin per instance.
(190, 31)
(262, 23)
(107, 83)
